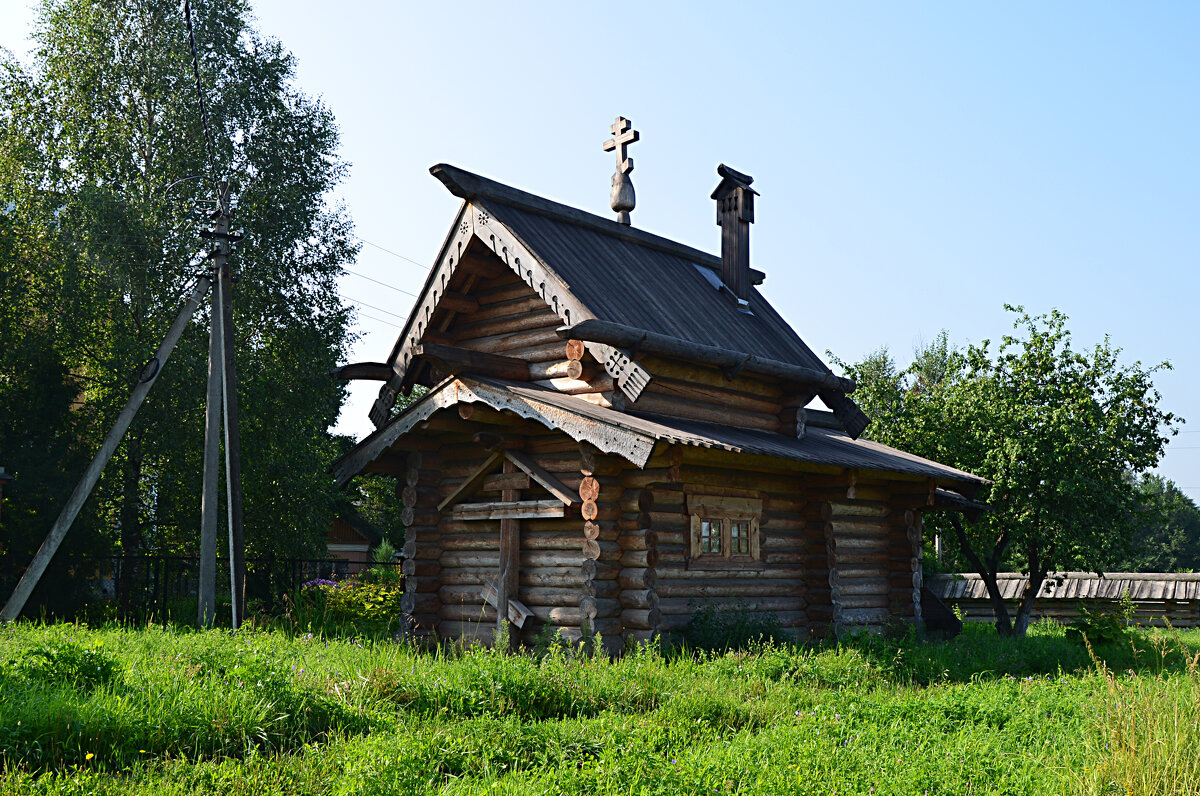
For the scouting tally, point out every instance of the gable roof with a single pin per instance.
(635, 278)
(634, 435)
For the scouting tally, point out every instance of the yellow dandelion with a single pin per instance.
(88, 756)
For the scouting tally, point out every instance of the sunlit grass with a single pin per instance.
(274, 712)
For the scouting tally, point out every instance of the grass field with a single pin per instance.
(161, 710)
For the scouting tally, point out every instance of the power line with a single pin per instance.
(389, 251)
(209, 147)
(380, 320)
(376, 281)
(380, 309)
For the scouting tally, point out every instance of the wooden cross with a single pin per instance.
(623, 136)
(622, 198)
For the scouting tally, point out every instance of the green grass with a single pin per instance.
(168, 711)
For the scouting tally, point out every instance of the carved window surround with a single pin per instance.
(725, 532)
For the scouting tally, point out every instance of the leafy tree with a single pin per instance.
(100, 141)
(1167, 536)
(1059, 433)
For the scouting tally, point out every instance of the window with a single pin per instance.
(724, 532)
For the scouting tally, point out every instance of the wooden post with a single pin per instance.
(207, 591)
(83, 489)
(510, 558)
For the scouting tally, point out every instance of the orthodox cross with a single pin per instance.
(622, 198)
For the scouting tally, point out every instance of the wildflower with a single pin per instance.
(88, 756)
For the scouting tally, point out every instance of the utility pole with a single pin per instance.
(207, 592)
(223, 364)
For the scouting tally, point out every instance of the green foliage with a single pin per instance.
(729, 626)
(358, 605)
(1167, 535)
(67, 663)
(260, 713)
(1060, 434)
(98, 234)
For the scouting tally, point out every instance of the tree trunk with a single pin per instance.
(131, 530)
(1037, 576)
(1025, 611)
(987, 573)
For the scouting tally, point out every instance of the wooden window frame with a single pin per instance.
(726, 510)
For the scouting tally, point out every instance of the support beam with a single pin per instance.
(547, 480)
(514, 510)
(366, 371)
(16, 602)
(471, 484)
(460, 361)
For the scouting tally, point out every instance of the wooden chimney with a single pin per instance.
(735, 214)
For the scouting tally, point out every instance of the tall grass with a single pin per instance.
(119, 711)
(1150, 724)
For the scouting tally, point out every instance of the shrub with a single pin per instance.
(730, 626)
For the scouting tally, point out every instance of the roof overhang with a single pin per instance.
(632, 445)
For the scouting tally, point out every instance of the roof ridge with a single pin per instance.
(468, 186)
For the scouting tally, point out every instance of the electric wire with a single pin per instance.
(377, 309)
(209, 146)
(376, 281)
(389, 251)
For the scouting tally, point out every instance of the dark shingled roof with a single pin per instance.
(633, 277)
(634, 435)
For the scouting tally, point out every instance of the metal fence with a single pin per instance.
(165, 587)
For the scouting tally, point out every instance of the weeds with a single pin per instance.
(266, 712)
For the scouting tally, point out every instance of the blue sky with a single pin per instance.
(919, 164)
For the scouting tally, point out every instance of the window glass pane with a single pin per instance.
(710, 536)
(739, 537)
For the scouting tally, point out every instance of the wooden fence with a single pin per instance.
(1156, 596)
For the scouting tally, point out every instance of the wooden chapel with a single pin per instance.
(616, 430)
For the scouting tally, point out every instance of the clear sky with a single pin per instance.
(919, 164)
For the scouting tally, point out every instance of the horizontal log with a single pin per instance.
(420, 603)
(711, 413)
(411, 567)
(639, 558)
(599, 588)
(567, 616)
(533, 354)
(420, 548)
(769, 389)
(865, 601)
(599, 607)
(637, 578)
(599, 570)
(697, 391)
(515, 341)
(639, 598)
(635, 540)
(482, 613)
(472, 541)
(641, 618)
(550, 596)
(676, 606)
(516, 307)
(731, 588)
(507, 325)
(865, 616)
(499, 481)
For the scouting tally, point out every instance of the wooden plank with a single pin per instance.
(514, 510)
(467, 487)
(552, 484)
(458, 361)
(518, 612)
